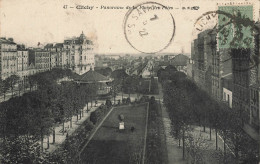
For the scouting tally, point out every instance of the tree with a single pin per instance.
(32, 81)
(105, 71)
(108, 103)
(5, 85)
(20, 87)
(1, 86)
(12, 80)
(119, 74)
(115, 87)
(42, 118)
(196, 147)
(130, 84)
(170, 69)
(93, 117)
(24, 149)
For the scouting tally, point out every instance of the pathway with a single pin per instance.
(59, 137)
(174, 152)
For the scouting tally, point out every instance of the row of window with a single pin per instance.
(42, 60)
(9, 57)
(85, 58)
(7, 66)
(42, 66)
(39, 54)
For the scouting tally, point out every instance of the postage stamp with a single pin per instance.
(237, 30)
(146, 24)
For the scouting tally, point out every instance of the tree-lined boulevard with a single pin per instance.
(189, 108)
(172, 121)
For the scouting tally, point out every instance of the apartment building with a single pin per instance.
(8, 58)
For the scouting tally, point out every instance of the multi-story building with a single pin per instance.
(40, 59)
(210, 64)
(55, 53)
(22, 63)
(8, 58)
(221, 67)
(241, 78)
(75, 53)
(78, 54)
(202, 61)
(255, 87)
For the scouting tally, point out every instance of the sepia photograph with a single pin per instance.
(129, 82)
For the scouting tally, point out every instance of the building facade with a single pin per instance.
(22, 64)
(75, 53)
(79, 54)
(40, 59)
(8, 57)
(202, 61)
(255, 88)
(241, 77)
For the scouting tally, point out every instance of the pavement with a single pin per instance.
(59, 137)
(8, 95)
(173, 149)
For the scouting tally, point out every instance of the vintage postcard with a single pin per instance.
(129, 81)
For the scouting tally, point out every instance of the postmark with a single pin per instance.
(149, 27)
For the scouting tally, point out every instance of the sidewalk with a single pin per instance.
(174, 152)
(173, 149)
(8, 95)
(59, 138)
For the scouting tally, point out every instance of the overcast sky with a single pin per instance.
(46, 21)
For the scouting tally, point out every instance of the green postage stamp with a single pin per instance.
(236, 27)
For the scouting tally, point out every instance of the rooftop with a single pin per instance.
(6, 41)
(78, 40)
(58, 45)
(91, 76)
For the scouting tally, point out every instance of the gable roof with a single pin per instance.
(91, 76)
(180, 60)
(58, 45)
